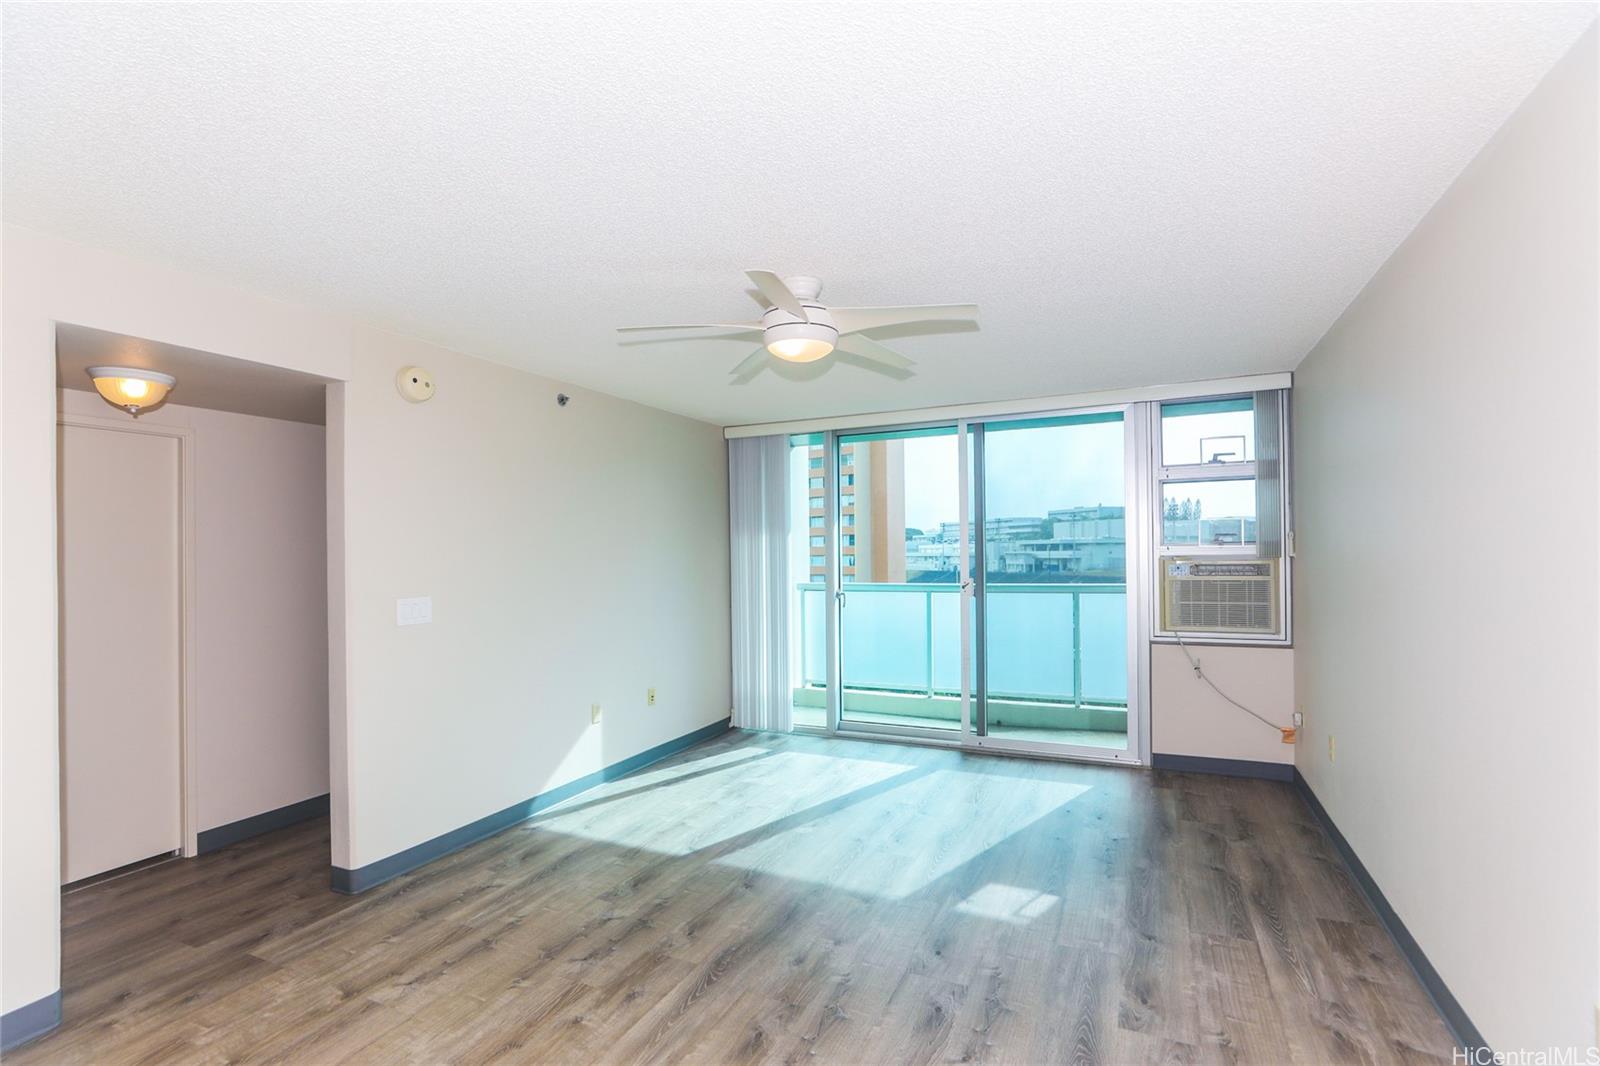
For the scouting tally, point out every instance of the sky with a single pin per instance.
(1030, 472)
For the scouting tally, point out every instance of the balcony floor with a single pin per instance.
(816, 718)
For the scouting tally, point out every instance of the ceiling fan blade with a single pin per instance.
(751, 363)
(867, 348)
(756, 326)
(856, 319)
(776, 292)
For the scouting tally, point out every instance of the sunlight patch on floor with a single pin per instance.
(710, 802)
(932, 823)
(1008, 903)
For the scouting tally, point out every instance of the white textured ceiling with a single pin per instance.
(1134, 195)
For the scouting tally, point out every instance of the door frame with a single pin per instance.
(1138, 552)
(837, 593)
(188, 733)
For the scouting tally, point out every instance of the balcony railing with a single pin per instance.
(1060, 644)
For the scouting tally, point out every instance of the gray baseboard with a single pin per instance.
(1200, 764)
(373, 874)
(1454, 1015)
(255, 825)
(29, 1021)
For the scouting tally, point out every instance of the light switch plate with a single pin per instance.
(413, 611)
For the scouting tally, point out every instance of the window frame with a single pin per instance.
(1187, 473)
(1184, 476)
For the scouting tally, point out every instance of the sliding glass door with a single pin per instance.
(899, 518)
(970, 582)
(1052, 583)
(808, 568)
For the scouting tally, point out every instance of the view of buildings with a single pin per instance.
(1070, 544)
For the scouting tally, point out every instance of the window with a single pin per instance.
(1208, 474)
(816, 482)
(818, 561)
(849, 560)
(847, 500)
(849, 540)
(1219, 493)
(1207, 432)
(847, 520)
(847, 480)
(817, 521)
(1216, 513)
(816, 462)
(818, 542)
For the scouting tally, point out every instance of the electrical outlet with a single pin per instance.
(1330, 747)
(650, 697)
(594, 714)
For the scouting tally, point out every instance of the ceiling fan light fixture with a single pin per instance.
(798, 328)
(800, 342)
(800, 349)
(131, 388)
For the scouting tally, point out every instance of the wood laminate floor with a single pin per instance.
(765, 898)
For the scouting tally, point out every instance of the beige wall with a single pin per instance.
(1445, 611)
(261, 607)
(1187, 717)
(575, 555)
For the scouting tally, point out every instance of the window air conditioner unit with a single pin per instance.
(1219, 595)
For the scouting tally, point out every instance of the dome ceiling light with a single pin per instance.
(131, 388)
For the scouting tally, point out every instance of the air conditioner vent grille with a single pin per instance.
(1221, 596)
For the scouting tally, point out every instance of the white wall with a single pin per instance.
(261, 607)
(1445, 613)
(1187, 717)
(575, 555)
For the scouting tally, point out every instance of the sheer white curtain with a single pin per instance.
(758, 509)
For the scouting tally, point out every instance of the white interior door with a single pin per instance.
(121, 682)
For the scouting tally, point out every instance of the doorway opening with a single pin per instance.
(192, 554)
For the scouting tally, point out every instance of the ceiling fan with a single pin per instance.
(798, 329)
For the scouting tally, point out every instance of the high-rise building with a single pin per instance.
(872, 528)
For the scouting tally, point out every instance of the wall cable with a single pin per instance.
(1288, 731)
